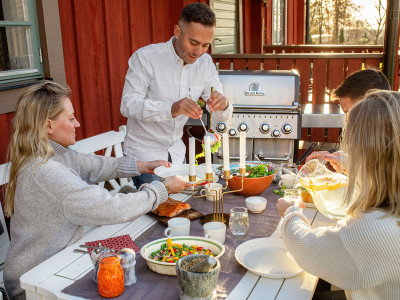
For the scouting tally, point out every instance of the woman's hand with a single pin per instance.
(149, 166)
(284, 204)
(176, 185)
(317, 155)
(338, 160)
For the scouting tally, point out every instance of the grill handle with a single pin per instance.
(295, 106)
(287, 157)
(220, 156)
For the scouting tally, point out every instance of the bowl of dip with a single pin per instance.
(256, 204)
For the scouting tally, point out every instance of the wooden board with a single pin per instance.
(190, 214)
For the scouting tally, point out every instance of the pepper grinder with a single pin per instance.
(128, 263)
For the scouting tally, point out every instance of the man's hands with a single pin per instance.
(186, 107)
(217, 102)
(176, 185)
(149, 166)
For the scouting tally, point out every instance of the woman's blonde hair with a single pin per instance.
(372, 141)
(39, 103)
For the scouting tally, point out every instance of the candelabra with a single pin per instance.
(218, 214)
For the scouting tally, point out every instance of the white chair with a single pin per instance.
(108, 141)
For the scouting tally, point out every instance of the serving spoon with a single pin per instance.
(213, 139)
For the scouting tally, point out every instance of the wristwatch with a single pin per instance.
(166, 185)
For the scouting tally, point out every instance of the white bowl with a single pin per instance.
(256, 204)
(170, 268)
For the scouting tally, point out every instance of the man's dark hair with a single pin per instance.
(198, 13)
(360, 82)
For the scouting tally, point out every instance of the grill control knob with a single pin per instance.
(221, 127)
(287, 128)
(275, 133)
(232, 132)
(264, 128)
(243, 127)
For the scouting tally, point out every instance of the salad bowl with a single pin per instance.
(252, 185)
(168, 268)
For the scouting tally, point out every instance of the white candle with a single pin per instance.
(192, 150)
(225, 152)
(207, 150)
(242, 163)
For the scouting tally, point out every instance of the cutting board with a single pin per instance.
(190, 214)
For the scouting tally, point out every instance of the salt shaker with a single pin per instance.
(94, 255)
(128, 263)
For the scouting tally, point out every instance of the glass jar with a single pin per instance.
(110, 276)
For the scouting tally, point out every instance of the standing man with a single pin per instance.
(159, 83)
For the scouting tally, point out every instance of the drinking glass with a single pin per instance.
(293, 195)
(288, 168)
(238, 220)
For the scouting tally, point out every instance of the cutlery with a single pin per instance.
(213, 139)
(81, 251)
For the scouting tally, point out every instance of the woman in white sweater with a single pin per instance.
(51, 195)
(361, 254)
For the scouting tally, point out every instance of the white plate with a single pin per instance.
(267, 257)
(180, 170)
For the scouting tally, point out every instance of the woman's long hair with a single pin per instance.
(372, 141)
(39, 103)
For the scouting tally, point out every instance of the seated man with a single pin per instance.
(351, 91)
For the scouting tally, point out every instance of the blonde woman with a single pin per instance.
(51, 194)
(362, 253)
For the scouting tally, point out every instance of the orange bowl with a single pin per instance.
(251, 186)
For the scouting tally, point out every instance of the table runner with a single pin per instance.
(151, 285)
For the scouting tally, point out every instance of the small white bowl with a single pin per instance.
(256, 204)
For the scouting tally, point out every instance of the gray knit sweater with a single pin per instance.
(55, 199)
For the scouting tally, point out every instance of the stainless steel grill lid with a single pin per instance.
(261, 89)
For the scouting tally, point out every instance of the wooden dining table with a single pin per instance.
(50, 278)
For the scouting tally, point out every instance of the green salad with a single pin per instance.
(260, 170)
(213, 148)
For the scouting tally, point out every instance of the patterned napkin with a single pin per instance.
(117, 243)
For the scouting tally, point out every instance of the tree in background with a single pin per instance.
(342, 22)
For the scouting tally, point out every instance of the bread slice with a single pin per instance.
(171, 208)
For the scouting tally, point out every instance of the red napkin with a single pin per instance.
(117, 243)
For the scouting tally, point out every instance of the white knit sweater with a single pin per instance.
(361, 256)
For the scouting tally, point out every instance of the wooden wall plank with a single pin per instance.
(303, 66)
(5, 125)
(319, 80)
(91, 46)
(160, 19)
(372, 63)
(118, 53)
(254, 64)
(336, 73)
(286, 64)
(353, 65)
(139, 24)
(270, 63)
(224, 64)
(71, 60)
(239, 64)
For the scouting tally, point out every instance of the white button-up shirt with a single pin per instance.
(156, 78)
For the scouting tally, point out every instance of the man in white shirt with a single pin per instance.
(158, 85)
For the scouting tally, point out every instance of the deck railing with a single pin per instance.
(320, 74)
(274, 49)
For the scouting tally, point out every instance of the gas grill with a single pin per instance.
(266, 106)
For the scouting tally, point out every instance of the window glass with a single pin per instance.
(14, 10)
(15, 49)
